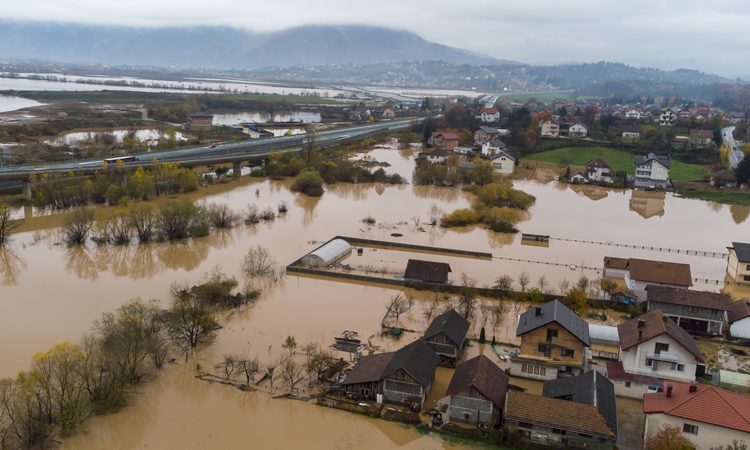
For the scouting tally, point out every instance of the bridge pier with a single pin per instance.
(27, 189)
(237, 168)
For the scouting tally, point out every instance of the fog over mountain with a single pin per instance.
(222, 47)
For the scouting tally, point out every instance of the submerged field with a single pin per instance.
(618, 160)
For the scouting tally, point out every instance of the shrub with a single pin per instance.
(308, 182)
(283, 207)
(369, 220)
(77, 227)
(460, 218)
(268, 214)
(252, 215)
(176, 219)
(501, 219)
(220, 216)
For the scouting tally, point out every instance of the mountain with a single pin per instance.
(222, 47)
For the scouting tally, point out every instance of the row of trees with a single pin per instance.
(113, 184)
(70, 382)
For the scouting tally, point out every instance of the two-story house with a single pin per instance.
(701, 138)
(554, 341)
(633, 114)
(489, 115)
(550, 128)
(598, 171)
(492, 147)
(443, 140)
(403, 377)
(577, 130)
(484, 134)
(696, 311)
(631, 133)
(708, 416)
(639, 273)
(738, 264)
(477, 392)
(652, 171)
(446, 335)
(667, 118)
(654, 346)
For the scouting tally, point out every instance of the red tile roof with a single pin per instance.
(489, 110)
(654, 325)
(739, 310)
(445, 135)
(615, 371)
(709, 404)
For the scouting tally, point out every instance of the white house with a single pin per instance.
(578, 177)
(435, 156)
(633, 114)
(550, 128)
(654, 346)
(489, 115)
(639, 273)
(738, 264)
(706, 415)
(492, 147)
(577, 130)
(599, 171)
(667, 118)
(503, 162)
(631, 133)
(739, 319)
(652, 171)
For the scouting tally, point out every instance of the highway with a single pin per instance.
(231, 152)
(735, 154)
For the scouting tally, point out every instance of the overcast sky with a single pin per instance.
(709, 35)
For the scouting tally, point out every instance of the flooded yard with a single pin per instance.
(50, 293)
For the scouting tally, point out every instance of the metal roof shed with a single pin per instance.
(604, 334)
(327, 254)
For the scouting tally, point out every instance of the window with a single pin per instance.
(536, 370)
(567, 352)
(649, 362)
(660, 347)
(627, 384)
(558, 431)
(747, 267)
(542, 371)
(551, 333)
(678, 367)
(467, 416)
(692, 309)
(692, 429)
(746, 277)
(524, 368)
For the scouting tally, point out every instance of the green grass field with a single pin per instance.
(618, 160)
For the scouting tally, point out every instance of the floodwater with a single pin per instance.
(49, 293)
(151, 136)
(12, 103)
(260, 117)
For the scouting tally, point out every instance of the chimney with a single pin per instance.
(669, 391)
(641, 323)
(538, 311)
(693, 387)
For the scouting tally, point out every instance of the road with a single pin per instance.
(735, 154)
(232, 152)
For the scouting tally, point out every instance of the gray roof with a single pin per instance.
(742, 250)
(451, 324)
(502, 153)
(664, 160)
(489, 130)
(591, 388)
(417, 359)
(554, 311)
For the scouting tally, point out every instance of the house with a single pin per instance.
(550, 128)
(654, 346)
(605, 341)
(639, 273)
(739, 319)
(631, 385)
(463, 150)
(200, 122)
(427, 271)
(554, 341)
(443, 140)
(446, 335)
(578, 177)
(631, 133)
(484, 134)
(493, 147)
(696, 311)
(701, 138)
(679, 142)
(503, 162)
(652, 171)
(667, 118)
(477, 392)
(388, 113)
(553, 421)
(590, 388)
(489, 115)
(435, 156)
(706, 415)
(738, 264)
(633, 114)
(577, 130)
(402, 377)
(599, 171)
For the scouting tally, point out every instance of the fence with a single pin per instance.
(707, 254)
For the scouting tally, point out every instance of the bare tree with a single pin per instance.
(7, 223)
(249, 368)
(220, 215)
(229, 365)
(252, 215)
(416, 221)
(258, 262)
(504, 283)
(397, 306)
(142, 219)
(432, 308)
(292, 374)
(434, 215)
(497, 311)
(542, 282)
(523, 280)
(563, 285)
(290, 345)
(467, 299)
(78, 225)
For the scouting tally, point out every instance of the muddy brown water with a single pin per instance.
(49, 294)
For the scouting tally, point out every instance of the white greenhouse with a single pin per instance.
(327, 254)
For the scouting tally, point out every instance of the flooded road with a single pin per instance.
(49, 294)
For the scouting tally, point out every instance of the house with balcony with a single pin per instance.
(550, 128)
(598, 171)
(738, 263)
(654, 346)
(577, 130)
(554, 342)
(443, 140)
(489, 115)
(708, 416)
(698, 312)
(446, 335)
(652, 171)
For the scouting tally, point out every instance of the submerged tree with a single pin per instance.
(78, 225)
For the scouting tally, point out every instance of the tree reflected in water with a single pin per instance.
(10, 266)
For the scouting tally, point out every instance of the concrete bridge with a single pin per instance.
(236, 152)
